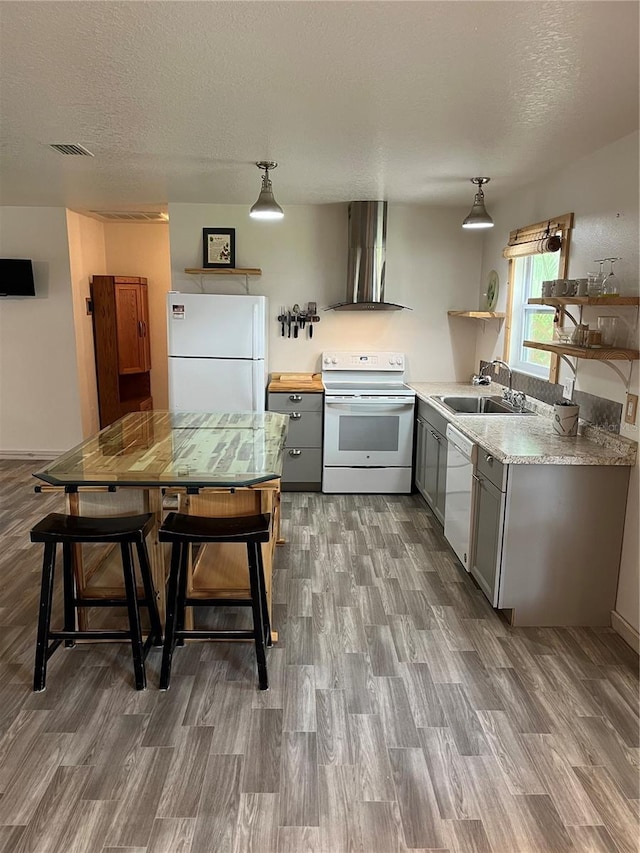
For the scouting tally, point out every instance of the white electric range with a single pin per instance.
(368, 423)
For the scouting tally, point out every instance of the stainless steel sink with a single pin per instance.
(481, 406)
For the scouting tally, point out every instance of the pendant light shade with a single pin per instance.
(266, 207)
(478, 216)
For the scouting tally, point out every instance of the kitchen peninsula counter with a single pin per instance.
(527, 439)
(217, 464)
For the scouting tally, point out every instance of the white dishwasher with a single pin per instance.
(461, 458)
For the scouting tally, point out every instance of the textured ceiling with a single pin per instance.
(398, 100)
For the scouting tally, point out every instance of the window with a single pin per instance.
(532, 261)
(531, 322)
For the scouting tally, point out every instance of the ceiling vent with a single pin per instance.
(130, 215)
(70, 148)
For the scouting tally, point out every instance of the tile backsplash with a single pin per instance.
(598, 411)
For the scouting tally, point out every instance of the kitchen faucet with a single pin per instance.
(502, 364)
(517, 399)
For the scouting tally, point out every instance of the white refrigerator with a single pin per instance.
(217, 352)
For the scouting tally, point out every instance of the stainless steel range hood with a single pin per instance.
(366, 261)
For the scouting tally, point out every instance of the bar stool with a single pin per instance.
(184, 530)
(74, 529)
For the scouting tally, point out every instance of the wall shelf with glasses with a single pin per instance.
(596, 353)
(561, 301)
(601, 353)
(479, 315)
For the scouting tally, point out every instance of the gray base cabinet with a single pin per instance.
(431, 458)
(302, 470)
(547, 540)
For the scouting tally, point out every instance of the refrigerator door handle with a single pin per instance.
(256, 332)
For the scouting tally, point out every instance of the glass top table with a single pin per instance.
(148, 449)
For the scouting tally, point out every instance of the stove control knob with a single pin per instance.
(390, 361)
(334, 361)
(399, 361)
(327, 360)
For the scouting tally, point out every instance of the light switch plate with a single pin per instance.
(631, 409)
(567, 387)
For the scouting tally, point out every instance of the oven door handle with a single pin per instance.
(357, 405)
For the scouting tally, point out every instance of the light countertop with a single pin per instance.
(529, 440)
(176, 449)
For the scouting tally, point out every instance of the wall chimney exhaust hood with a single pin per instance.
(366, 261)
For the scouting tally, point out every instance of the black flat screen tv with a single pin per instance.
(16, 277)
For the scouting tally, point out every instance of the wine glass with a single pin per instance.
(611, 285)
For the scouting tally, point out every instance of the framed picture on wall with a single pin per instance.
(219, 248)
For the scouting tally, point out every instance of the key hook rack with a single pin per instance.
(295, 320)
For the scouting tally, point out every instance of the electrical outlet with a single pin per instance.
(631, 409)
(567, 387)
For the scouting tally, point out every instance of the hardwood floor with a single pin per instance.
(404, 714)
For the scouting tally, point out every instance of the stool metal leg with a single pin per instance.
(182, 591)
(149, 593)
(134, 616)
(44, 618)
(266, 622)
(170, 624)
(69, 591)
(256, 607)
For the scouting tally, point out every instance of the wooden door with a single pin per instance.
(132, 328)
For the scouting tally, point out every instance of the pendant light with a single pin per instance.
(478, 216)
(266, 207)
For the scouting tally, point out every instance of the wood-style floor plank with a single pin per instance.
(404, 715)
(264, 751)
(618, 814)
(171, 835)
(299, 779)
(217, 821)
(421, 822)
(373, 771)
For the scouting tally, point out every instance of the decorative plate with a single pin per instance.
(493, 285)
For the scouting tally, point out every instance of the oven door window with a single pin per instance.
(367, 433)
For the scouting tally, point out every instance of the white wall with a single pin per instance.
(86, 258)
(432, 265)
(602, 191)
(39, 396)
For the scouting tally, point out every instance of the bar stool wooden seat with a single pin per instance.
(71, 530)
(185, 530)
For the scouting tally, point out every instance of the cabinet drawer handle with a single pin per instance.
(295, 416)
(477, 479)
(295, 453)
(295, 398)
(488, 458)
(140, 328)
(436, 436)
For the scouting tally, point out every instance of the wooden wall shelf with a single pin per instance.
(479, 315)
(595, 353)
(230, 271)
(610, 301)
